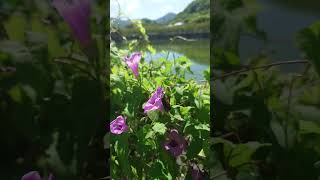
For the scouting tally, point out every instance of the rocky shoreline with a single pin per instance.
(201, 34)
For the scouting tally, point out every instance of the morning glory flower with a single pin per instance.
(196, 173)
(118, 126)
(155, 102)
(176, 143)
(133, 62)
(34, 175)
(77, 14)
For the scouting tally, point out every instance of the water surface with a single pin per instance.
(197, 51)
(281, 20)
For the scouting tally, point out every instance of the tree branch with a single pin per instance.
(267, 66)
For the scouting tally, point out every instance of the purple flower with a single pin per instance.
(77, 14)
(118, 126)
(133, 62)
(176, 143)
(196, 173)
(34, 175)
(155, 102)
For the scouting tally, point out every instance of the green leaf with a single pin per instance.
(202, 154)
(307, 127)
(151, 49)
(205, 127)
(16, 27)
(224, 92)
(309, 42)
(153, 115)
(185, 110)
(317, 164)
(242, 153)
(194, 147)
(278, 131)
(15, 93)
(284, 129)
(149, 134)
(308, 113)
(30, 92)
(54, 47)
(159, 127)
(16, 50)
(159, 171)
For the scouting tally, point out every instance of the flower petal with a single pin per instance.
(118, 126)
(135, 57)
(155, 101)
(148, 107)
(133, 62)
(166, 145)
(50, 177)
(33, 175)
(179, 145)
(77, 14)
(158, 104)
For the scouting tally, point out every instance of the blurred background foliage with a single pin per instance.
(51, 115)
(265, 121)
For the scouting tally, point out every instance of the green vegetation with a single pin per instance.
(139, 153)
(198, 11)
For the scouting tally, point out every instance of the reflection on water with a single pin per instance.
(197, 51)
(281, 19)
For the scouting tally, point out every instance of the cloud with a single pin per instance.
(130, 7)
(156, 1)
(152, 9)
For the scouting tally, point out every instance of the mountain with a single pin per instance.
(197, 11)
(166, 18)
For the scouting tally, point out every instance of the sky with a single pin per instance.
(151, 9)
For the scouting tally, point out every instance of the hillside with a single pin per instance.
(198, 11)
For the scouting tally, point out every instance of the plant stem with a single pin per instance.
(288, 111)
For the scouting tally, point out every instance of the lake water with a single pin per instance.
(281, 19)
(197, 51)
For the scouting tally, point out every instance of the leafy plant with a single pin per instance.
(140, 152)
